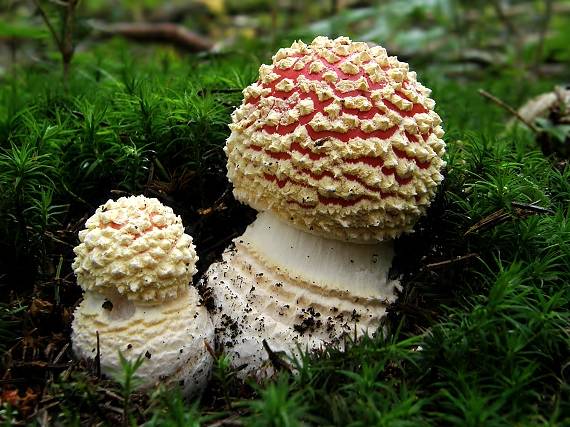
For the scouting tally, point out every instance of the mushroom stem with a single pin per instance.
(170, 335)
(362, 270)
(296, 291)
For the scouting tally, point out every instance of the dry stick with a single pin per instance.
(159, 32)
(111, 394)
(490, 220)
(232, 420)
(113, 408)
(531, 208)
(65, 44)
(512, 29)
(500, 216)
(210, 350)
(452, 261)
(542, 35)
(76, 197)
(65, 347)
(510, 109)
(276, 361)
(53, 237)
(98, 358)
(48, 23)
(40, 364)
(67, 48)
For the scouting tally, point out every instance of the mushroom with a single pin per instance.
(135, 263)
(338, 146)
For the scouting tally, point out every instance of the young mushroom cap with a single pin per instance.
(137, 247)
(339, 139)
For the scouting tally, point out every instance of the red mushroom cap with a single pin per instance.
(339, 139)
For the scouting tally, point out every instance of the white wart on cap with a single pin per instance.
(135, 263)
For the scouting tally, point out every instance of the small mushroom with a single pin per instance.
(338, 146)
(135, 264)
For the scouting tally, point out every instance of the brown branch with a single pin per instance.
(532, 208)
(67, 48)
(48, 24)
(510, 109)
(276, 360)
(522, 210)
(489, 221)
(452, 261)
(64, 42)
(505, 18)
(98, 357)
(513, 30)
(60, 354)
(542, 35)
(166, 32)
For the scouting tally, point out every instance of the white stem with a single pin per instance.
(359, 269)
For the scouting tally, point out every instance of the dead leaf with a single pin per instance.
(23, 403)
(40, 307)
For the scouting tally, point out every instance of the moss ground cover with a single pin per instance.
(479, 336)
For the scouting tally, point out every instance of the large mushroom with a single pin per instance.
(135, 264)
(338, 146)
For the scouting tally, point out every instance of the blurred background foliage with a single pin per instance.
(458, 35)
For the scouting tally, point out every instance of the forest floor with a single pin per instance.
(478, 336)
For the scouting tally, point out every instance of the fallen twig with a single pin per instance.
(164, 32)
(510, 109)
(452, 260)
(63, 39)
(502, 215)
(542, 34)
(52, 236)
(112, 395)
(531, 208)
(112, 408)
(98, 358)
(232, 420)
(65, 347)
(217, 206)
(40, 364)
(275, 359)
(490, 220)
(210, 350)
